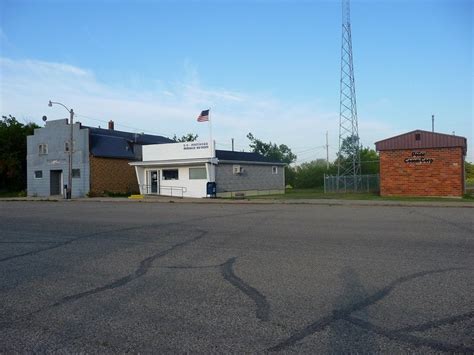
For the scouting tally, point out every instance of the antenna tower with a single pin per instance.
(348, 168)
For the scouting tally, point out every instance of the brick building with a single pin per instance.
(422, 163)
(100, 159)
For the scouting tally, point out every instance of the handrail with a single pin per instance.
(146, 189)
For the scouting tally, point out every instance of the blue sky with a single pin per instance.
(266, 67)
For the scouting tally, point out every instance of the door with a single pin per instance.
(55, 182)
(154, 181)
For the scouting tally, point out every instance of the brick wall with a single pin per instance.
(112, 175)
(443, 177)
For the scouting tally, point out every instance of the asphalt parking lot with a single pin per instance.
(168, 277)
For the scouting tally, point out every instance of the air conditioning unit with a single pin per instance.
(237, 169)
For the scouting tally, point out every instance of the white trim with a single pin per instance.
(243, 162)
(173, 162)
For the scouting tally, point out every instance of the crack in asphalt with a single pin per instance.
(263, 307)
(344, 313)
(69, 241)
(72, 240)
(187, 267)
(142, 269)
(409, 338)
(436, 323)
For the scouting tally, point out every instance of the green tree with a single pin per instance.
(271, 150)
(186, 138)
(369, 161)
(13, 153)
(469, 170)
(349, 147)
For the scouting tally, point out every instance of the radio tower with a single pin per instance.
(348, 169)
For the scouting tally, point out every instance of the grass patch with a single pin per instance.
(310, 194)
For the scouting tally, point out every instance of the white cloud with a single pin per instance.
(27, 85)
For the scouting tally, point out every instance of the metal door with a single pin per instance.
(154, 181)
(55, 182)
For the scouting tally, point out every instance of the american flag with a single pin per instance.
(204, 116)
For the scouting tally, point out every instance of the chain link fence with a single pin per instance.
(361, 183)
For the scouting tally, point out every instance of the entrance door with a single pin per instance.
(55, 182)
(154, 181)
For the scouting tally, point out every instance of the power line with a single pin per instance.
(310, 149)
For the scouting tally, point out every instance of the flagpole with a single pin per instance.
(210, 134)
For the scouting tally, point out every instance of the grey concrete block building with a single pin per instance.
(48, 158)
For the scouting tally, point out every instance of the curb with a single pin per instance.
(315, 202)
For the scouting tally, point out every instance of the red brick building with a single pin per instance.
(422, 163)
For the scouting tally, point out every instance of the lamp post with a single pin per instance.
(69, 179)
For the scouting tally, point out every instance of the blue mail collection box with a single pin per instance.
(211, 189)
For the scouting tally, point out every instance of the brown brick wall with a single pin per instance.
(443, 177)
(112, 175)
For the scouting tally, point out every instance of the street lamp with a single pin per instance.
(69, 180)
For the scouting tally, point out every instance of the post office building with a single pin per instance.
(185, 169)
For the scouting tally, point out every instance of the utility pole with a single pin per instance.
(348, 167)
(327, 152)
(432, 123)
(232, 144)
(71, 142)
(71, 147)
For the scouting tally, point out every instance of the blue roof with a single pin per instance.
(244, 156)
(109, 143)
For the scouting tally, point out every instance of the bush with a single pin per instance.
(311, 175)
(116, 194)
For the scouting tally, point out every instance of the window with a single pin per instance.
(237, 169)
(38, 174)
(274, 170)
(76, 173)
(417, 136)
(197, 173)
(171, 174)
(43, 149)
(66, 146)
